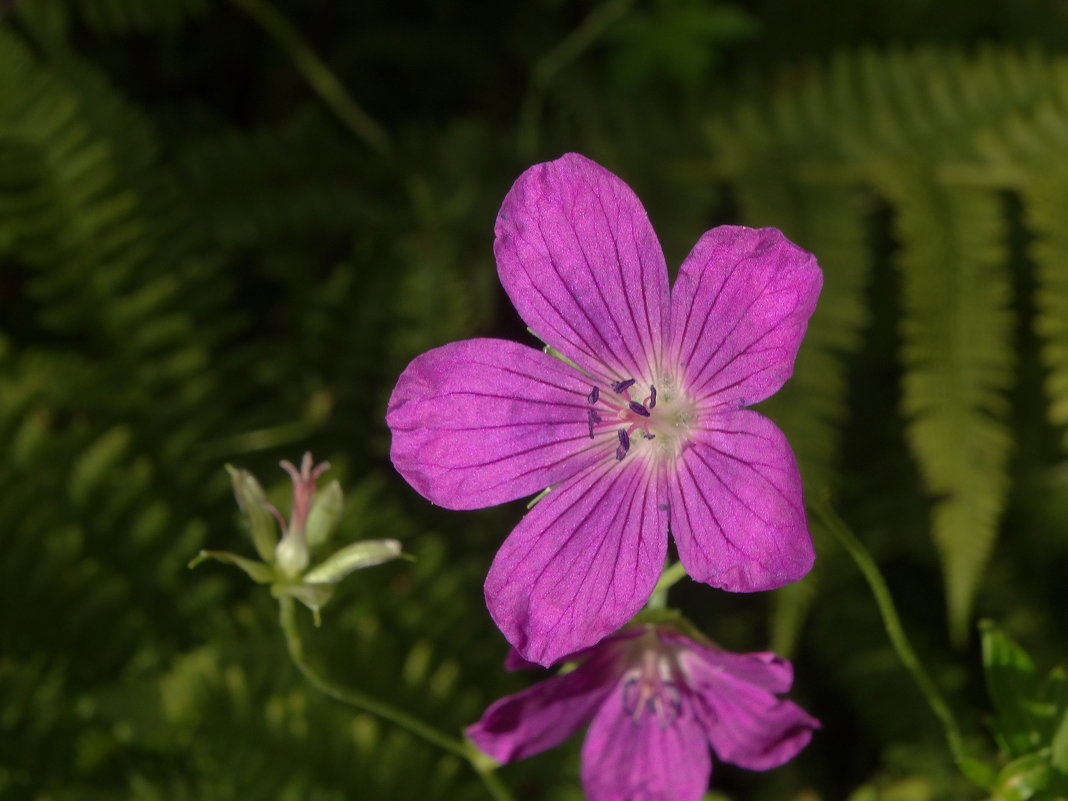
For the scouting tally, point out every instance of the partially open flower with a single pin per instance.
(657, 701)
(313, 518)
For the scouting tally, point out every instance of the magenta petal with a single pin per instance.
(747, 725)
(581, 563)
(483, 421)
(547, 713)
(737, 513)
(624, 759)
(579, 259)
(763, 669)
(739, 309)
(515, 661)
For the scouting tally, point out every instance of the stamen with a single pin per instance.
(591, 418)
(594, 394)
(624, 444)
(638, 409)
(622, 386)
(652, 396)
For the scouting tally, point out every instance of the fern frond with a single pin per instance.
(1047, 210)
(937, 135)
(1034, 146)
(957, 349)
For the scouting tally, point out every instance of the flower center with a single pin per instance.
(655, 418)
(652, 688)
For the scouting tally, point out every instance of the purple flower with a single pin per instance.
(639, 427)
(656, 702)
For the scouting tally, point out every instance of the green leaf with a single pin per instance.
(1023, 778)
(1013, 687)
(1059, 746)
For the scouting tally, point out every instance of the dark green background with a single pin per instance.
(203, 264)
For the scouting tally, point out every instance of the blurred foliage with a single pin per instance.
(202, 262)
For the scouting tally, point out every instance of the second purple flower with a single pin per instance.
(643, 431)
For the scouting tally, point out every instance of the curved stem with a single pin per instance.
(894, 630)
(370, 704)
(318, 75)
(552, 62)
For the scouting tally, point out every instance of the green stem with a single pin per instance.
(894, 630)
(671, 574)
(550, 64)
(367, 703)
(318, 75)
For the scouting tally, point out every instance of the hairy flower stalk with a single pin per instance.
(656, 700)
(634, 415)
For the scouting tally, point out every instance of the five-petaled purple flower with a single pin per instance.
(657, 701)
(643, 429)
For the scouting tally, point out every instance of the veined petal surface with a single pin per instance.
(762, 669)
(581, 563)
(739, 309)
(484, 421)
(546, 714)
(746, 725)
(737, 513)
(627, 757)
(577, 255)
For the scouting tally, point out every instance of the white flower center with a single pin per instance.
(653, 685)
(656, 419)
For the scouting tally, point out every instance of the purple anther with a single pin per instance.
(622, 386)
(638, 409)
(652, 396)
(624, 444)
(595, 393)
(591, 418)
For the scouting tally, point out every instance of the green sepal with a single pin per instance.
(479, 759)
(1022, 778)
(551, 351)
(533, 501)
(672, 619)
(324, 515)
(257, 571)
(254, 504)
(313, 596)
(364, 553)
(1014, 690)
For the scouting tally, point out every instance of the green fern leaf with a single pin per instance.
(1047, 210)
(957, 351)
